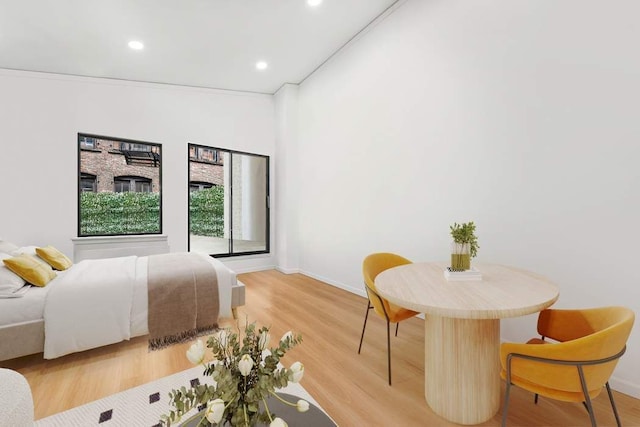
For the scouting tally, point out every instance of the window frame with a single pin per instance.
(199, 150)
(88, 142)
(135, 146)
(202, 185)
(156, 148)
(267, 204)
(132, 180)
(85, 177)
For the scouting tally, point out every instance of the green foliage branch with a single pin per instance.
(244, 396)
(465, 234)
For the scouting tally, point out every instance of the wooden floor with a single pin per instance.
(352, 388)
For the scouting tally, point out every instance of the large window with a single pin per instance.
(119, 186)
(228, 201)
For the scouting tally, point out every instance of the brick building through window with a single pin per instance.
(106, 164)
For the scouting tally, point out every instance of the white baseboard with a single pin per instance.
(357, 291)
(625, 387)
(288, 270)
(253, 269)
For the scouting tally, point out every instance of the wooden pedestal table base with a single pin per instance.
(462, 365)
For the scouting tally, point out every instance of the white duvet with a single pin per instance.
(104, 301)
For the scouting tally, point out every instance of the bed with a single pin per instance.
(24, 329)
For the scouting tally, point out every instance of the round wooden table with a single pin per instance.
(462, 329)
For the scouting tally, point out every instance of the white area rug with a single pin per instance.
(140, 406)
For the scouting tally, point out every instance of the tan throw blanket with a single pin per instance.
(183, 298)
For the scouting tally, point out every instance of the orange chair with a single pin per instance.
(574, 368)
(373, 265)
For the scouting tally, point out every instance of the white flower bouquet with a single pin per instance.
(245, 372)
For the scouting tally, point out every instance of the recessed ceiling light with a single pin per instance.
(136, 45)
(261, 65)
(314, 2)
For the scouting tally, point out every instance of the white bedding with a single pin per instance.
(90, 324)
(90, 306)
(29, 307)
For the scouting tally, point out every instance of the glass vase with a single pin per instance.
(460, 256)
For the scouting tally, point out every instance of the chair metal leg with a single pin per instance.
(592, 416)
(587, 399)
(397, 324)
(613, 405)
(506, 404)
(389, 351)
(366, 315)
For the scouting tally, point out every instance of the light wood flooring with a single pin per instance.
(352, 388)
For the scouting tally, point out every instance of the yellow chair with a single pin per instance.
(576, 365)
(373, 265)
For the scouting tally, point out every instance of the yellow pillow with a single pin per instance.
(30, 269)
(54, 257)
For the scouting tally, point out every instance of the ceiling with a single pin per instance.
(203, 43)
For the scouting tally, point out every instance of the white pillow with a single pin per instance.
(7, 247)
(10, 282)
(31, 251)
(26, 250)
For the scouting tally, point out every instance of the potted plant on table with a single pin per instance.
(464, 246)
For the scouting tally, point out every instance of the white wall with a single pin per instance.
(41, 114)
(518, 115)
(286, 176)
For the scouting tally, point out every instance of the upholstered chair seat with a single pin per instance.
(574, 358)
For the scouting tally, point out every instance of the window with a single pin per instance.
(119, 193)
(132, 146)
(88, 143)
(231, 216)
(199, 185)
(136, 184)
(88, 182)
(204, 154)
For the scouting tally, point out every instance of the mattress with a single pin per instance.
(27, 308)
